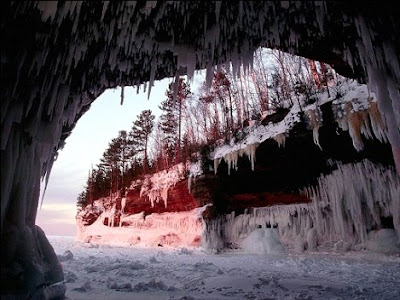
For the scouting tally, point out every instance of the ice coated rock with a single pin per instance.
(263, 241)
(383, 241)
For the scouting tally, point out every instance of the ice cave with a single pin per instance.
(57, 57)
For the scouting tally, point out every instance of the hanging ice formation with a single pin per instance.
(155, 187)
(315, 121)
(346, 205)
(360, 121)
(194, 171)
(231, 158)
(359, 116)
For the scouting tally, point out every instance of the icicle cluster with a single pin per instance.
(231, 158)
(368, 122)
(346, 205)
(155, 187)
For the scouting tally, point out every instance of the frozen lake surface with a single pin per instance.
(110, 272)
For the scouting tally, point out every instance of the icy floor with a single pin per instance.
(106, 272)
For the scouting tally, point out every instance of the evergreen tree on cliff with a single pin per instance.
(140, 135)
(168, 125)
(171, 119)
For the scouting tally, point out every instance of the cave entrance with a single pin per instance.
(239, 101)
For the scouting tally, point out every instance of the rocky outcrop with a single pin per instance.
(179, 199)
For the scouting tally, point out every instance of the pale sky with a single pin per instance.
(85, 146)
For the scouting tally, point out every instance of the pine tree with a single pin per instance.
(140, 134)
(115, 159)
(82, 200)
(168, 125)
(178, 94)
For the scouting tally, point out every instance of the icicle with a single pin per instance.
(280, 139)
(123, 204)
(209, 76)
(105, 6)
(164, 196)
(122, 95)
(217, 9)
(190, 183)
(176, 87)
(250, 151)
(152, 75)
(315, 120)
(216, 164)
(48, 9)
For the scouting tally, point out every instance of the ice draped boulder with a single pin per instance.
(383, 241)
(263, 241)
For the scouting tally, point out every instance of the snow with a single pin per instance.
(112, 272)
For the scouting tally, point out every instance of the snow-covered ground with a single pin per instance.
(110, 272)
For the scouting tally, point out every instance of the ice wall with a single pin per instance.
(180, 229)
(346, 205)
(155, 187)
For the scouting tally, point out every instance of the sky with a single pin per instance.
(85, 146)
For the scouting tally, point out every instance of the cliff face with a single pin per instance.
(179, 199)
(297, 179)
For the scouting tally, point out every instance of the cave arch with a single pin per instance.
(57, 57)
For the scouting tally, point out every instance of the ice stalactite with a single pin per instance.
(250, 151)
(388, 102)
(217, 161)
(346, 205)
(360, 122)
(123, 204)
(382, 67)
(280, 139)
(231, 159)
(315, 121)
